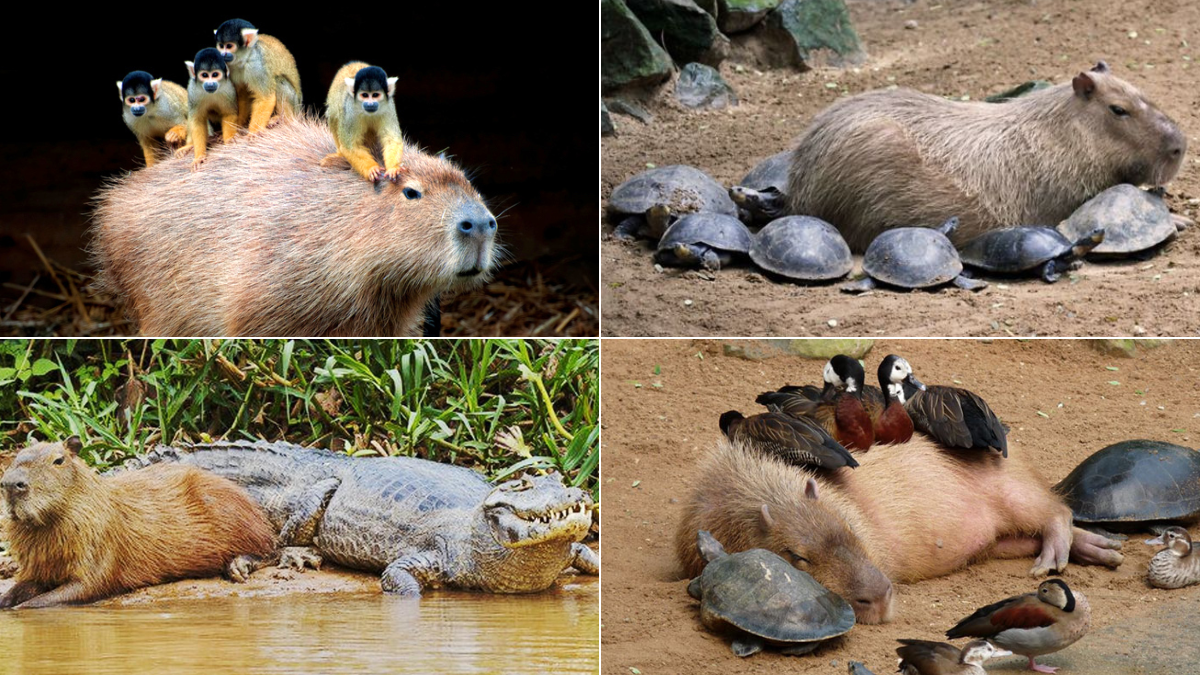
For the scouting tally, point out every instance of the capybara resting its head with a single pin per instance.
(262, 240)
(41, 478)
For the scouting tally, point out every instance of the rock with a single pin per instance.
(1125, 347)
(1019, 90)
(741, 15)
(791, 35)
(758, 350)
(623, 107)
(688, 32)
(710, 6)
(629, 56)
(911, 24)
(702, 86)
(607, 128)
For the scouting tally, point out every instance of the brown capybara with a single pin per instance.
(80, 537)
(264, 241)
(902, 158)
(909, 512)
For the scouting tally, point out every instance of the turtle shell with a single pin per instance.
(682, 188)
(1014, 249)
(912, 257)
(1134, 481)
(771, 172)
(802, 247)
(715, 230)
(760, 593)
(1133, 220)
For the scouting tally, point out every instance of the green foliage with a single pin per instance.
(500, 406)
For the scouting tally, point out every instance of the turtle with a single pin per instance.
(913, 257)
(649, 202)
(1133, 485)
(1012, 250)
(760, 197)
(710, 240)
(1135, 221)
(762, 600)
(802, 248)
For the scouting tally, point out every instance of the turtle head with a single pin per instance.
(533, 509)
(1087, 242)
(947, 228)
(710, 548)
(659, 218)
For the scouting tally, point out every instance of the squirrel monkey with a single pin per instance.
(263, 72)
(361, 112)
(154, 110)
(211, 98)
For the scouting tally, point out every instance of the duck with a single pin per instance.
(885, 405)
(923, 657)
(1031, 624)
(953, 416)
(837, 407)
(1178, 564)
(796, 440)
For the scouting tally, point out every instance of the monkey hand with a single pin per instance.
(183, 152)
(374, 173)
(197, 162)
(395, 174)
(176, 134)
(274, 121)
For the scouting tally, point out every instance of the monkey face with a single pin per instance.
(370, 100)
(210, 79)
(227, 49)
(137, 104)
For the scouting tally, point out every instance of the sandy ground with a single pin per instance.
(653, 433)
(959, 48)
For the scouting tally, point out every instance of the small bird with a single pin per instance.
(1031, 624)
(955, 417)
(796, 440)
(837, 407)
(1178, 564)
(922, 657)
(888, 415)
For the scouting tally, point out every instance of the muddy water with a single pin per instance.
(553, 632)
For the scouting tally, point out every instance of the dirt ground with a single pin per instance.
(959, 48)
(653, 434)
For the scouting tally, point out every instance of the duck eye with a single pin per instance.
(1118, 111)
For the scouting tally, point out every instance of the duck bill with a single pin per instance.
(1157, 541)
(914, 382)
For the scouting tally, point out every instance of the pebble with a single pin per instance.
(658, 268)
(1138, 330)
(911, 24)
(832, 323)
(687, 303)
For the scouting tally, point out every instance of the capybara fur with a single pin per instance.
(902, 158)
(80, 537)
(910, 511)
(264, 241)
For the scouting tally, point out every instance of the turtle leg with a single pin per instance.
(799, 649)
(747, 646)
(1181, 222)
(1052, 271)
(630, 229)
(861, 286)
(969, 284)
(710, 260)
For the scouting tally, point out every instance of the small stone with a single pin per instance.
(658, 268)
(1138, 330)
(687, 303)
(911, 24)
(832, 323)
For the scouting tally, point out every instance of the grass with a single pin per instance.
(500, 406)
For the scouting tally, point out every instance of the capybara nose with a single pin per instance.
(478, 226)
(14, 486)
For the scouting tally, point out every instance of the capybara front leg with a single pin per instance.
(240, 568)
(299, 557)
(1015, 546)
(1090, 548)
(69, 593)
(22, 591)
(1056, 547)
(585, 560)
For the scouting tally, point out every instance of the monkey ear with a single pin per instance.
(350, 84)
(191, 69)
(154, 86)
(392, 86)
(74, 445)
(121, 91)
(249, 36)
(767, 521)
(810, 489)
(214, 32)
(1084, 85)
(1100, 67)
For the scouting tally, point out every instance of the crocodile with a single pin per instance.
(422, 524)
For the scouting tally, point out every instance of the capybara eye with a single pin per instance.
(411, 193)
(1118, 110)
(59, 460)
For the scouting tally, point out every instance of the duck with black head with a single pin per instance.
(885, 405)
(796, 440)
(837, 407)
(953, 416)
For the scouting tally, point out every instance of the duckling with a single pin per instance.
(953, 416)
(885, 405)
(922, 657)
(838, 407)
(1178, 564)
(796, 440)
(1031, 624)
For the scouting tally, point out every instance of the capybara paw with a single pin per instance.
(240, 568)
(1095, 549)
(8, 567)
(176, 134)
(299, 557)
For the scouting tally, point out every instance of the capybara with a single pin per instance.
(264, 241)
(909, 512)
(901, 158)
(80, 537)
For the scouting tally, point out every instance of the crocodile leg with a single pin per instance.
(307, 511)
(299, 557)
(585, 559)
(408, 575)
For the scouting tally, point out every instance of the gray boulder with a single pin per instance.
(629, 56)
(702, 86)
(688, 32)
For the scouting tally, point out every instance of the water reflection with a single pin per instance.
(556, 632)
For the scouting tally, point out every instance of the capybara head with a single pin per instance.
(816, 540)
(1145, 145)
(41, 479)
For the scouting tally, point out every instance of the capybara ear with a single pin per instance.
(1084, 85)
(767, 521)
(74, 445)
(1100, 67)
(810, 489)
